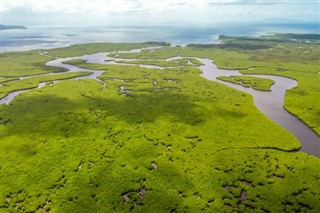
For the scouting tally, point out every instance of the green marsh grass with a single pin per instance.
(256, 83)
(33, 82)
(182, 144)
(162, 63)
(296, 60)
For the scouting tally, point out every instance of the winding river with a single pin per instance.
(269, 103)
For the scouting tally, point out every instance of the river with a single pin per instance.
(270, 103)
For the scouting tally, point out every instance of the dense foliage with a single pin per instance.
(151, 140)
(33, 82)
(263, 84)
(82, 49)
(293, 59)
(16, 64)
(162, 63)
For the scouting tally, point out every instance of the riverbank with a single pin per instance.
(147, 139)
(269, 103)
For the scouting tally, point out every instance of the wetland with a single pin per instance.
(144, 127)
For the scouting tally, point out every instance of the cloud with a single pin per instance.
(83, 6)
(155, 11)
(70, 6)
(123, 6)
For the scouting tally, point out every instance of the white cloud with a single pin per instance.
(82, 6)
(113, 6)
(118, 6)
(155, 11)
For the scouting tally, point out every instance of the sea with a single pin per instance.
(44, 37)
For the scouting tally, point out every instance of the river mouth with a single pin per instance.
(270, 103)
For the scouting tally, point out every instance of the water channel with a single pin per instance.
(270, 103)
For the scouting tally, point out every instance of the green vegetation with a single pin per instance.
(16, 64)
(289, 37)
(30, 63)
(4, 79)
(229, 79)
(296, 60)
(82, 49)
(33, 82)
(10, 27)
(162, 53)
(136, 145)
(256, 83)
(162, 63)
(151, 140)
(270, 39)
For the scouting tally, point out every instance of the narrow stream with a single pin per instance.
(270, 103)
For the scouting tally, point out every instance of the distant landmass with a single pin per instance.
(11, 27)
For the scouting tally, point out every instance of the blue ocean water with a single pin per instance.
(43, 37)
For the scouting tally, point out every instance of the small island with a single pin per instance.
(11, 27)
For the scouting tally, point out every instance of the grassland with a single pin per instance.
(4, 79)
(33, 82)
(291, 37)
(163, 53)
(162, 63)
(78, 50)
(297, 60)
(150, 140)
(17, 64)
(271, 55)
(262, 84)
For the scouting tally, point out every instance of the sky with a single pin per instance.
(156, 12)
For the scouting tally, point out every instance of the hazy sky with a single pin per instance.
(155, 12)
